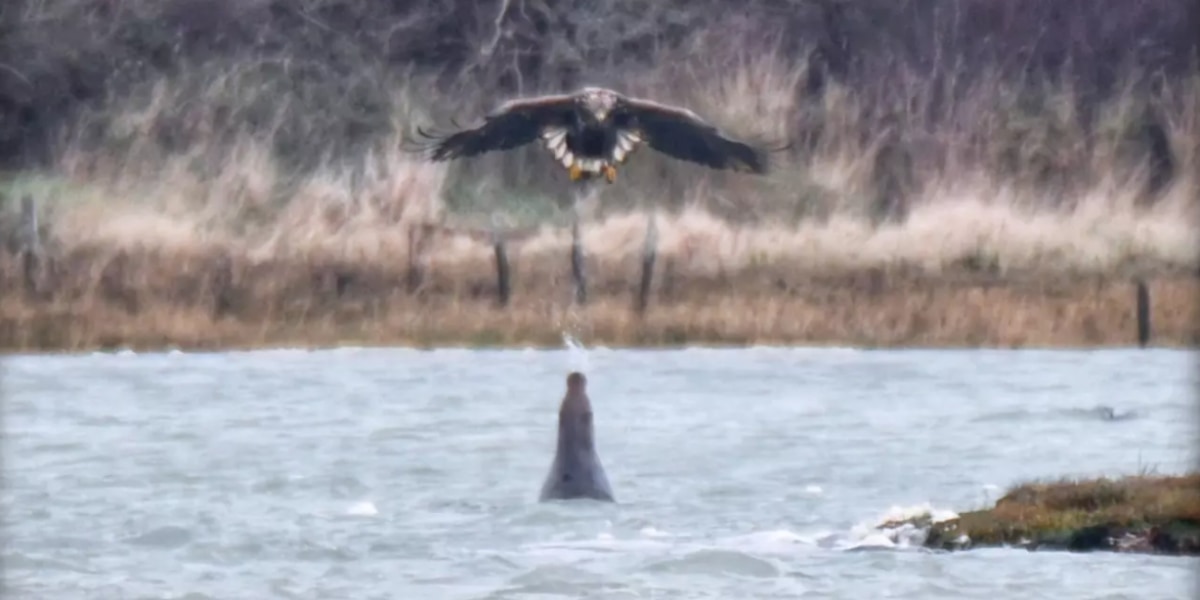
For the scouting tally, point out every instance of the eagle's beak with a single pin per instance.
(602, 114)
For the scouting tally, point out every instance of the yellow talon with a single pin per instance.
(575, 172)
(610, 173)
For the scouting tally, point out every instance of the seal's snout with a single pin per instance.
(576, 382)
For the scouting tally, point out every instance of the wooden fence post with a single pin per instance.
(577, 273)
(1143, 313)
(649, 255)
(222, 287)
(503, 283)
(414, 276)
(30, 243)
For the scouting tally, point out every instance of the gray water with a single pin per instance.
(757, 473)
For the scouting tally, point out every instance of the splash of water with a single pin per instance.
(577, 353)
(571, 323)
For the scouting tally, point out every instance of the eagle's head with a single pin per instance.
(598, 102)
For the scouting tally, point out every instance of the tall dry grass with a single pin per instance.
(205, 205)
(1003, 188)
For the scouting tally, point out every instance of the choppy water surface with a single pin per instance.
(406, 474)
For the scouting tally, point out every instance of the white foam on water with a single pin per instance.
(891, 530)
(901, 513)
(883, 532)
(365, 508)
(771, 541)
(603, 542)
(653, 532)
(577, 354)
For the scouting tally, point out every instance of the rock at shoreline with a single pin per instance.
(1138, 514)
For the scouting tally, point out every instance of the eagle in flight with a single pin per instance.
(593, 130)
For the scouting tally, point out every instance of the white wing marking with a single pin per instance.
(627, 142)
(556, 141)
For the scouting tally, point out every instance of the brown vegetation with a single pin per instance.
(212, 172)
(1142, 513)
(151, 300)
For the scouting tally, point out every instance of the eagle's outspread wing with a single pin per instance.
(682, 134)
(514, 123)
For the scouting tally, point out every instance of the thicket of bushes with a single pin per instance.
(321, 77)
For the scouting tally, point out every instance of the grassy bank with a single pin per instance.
(1141, 513)
(176, 259)
(237, 180)
(154, 300)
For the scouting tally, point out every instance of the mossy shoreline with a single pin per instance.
(1146, 514)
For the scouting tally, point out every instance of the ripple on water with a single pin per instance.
(19, 561)
(167, 538)
(218, 554)
(376, 473)
(561, 580)
(716, 563)
(316, 551)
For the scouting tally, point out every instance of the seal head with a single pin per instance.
(576, 471)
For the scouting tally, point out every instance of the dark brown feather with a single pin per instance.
(681, 134)
(514, 123)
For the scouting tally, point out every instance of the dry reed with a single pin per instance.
(1002, 221)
